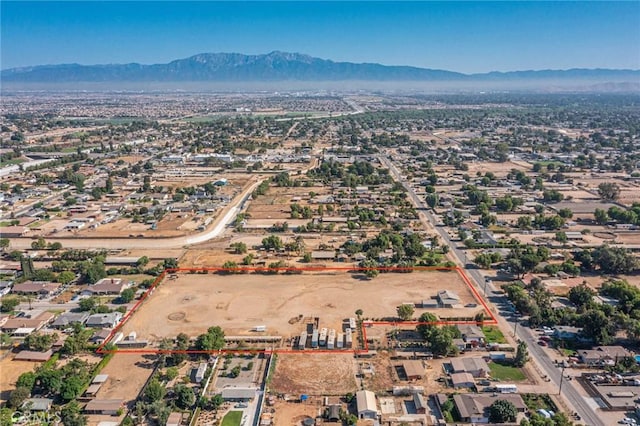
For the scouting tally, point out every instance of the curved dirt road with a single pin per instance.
(226, 217)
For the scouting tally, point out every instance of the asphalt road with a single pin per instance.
(587, 414)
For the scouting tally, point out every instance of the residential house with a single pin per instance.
(69, 318)
(566, 332)
(34, 323)
(476, 366)
(474, 408)
(109, 320)
(462, 380)
(366, 405)
(603, 355)
(36, 288)
(110, 407)
(238, 394)
(420, 403)
(414, 370)
(471, 334)
(447, 299)
(106, 286)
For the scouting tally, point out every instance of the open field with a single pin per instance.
(10, 370)
(314, 375)
(293, 413)
(127, 374)
(193, 302)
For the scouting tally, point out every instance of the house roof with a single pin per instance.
(174, 419)
(461, 378)
(475, 405)
(413, 368)
(469, 364)
(238, 393)
(33, 356)
(70, 317)
(447, 294)
(107, 286)
(104, 405)
(100, 378)
(35, 287)
(37, 404)
(37, 322)
(366, 401)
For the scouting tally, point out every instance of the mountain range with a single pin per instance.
(281, 66)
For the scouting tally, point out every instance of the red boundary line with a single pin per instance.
(364, 324)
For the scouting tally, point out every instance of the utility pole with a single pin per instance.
(561, 380)
(515, 324)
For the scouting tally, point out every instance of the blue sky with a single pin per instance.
(458, 36)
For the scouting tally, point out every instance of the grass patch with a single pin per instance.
(536, 401)
(493, 335)
(232, 418)
(504, 371)
(569, 352)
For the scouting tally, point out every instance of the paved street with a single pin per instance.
(537, 353)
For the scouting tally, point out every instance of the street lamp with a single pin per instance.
(515, 324)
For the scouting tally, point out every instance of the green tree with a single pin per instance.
(9, 304)
(601, 217)
(609, 191)
(430, 325)
(522, 355)
(87, 304)
(614, 260)
(561, 237)
(39, 244)
(155, 391)
(596, 325)
(213, 339)
(72, 387)
(65, 277)
(272, 242)
(18, 396)
(71, 415)
(502, 411)
(581, 296)
(405, 312)
(4, 244)
(185, 398)
(239, 248)
(26, 380)
(127, 295)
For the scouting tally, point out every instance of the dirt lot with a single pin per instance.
(314, 375)
(193, 302)
(385, 376)
(293, 413)
(9, 372)
(127, 374)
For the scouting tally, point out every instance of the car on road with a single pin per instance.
(543, 343)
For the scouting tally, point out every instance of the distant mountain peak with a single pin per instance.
(281, 66)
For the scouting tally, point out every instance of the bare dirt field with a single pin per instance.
(9, 372)
(499, 169)
(293, 413)
(385, 376)
(127, 374)
(191, 303)
(314, 375)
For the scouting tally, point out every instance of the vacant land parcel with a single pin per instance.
(191, 303)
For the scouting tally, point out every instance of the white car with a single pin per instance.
(628, 421)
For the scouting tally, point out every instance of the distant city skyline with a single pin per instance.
(467, 37)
